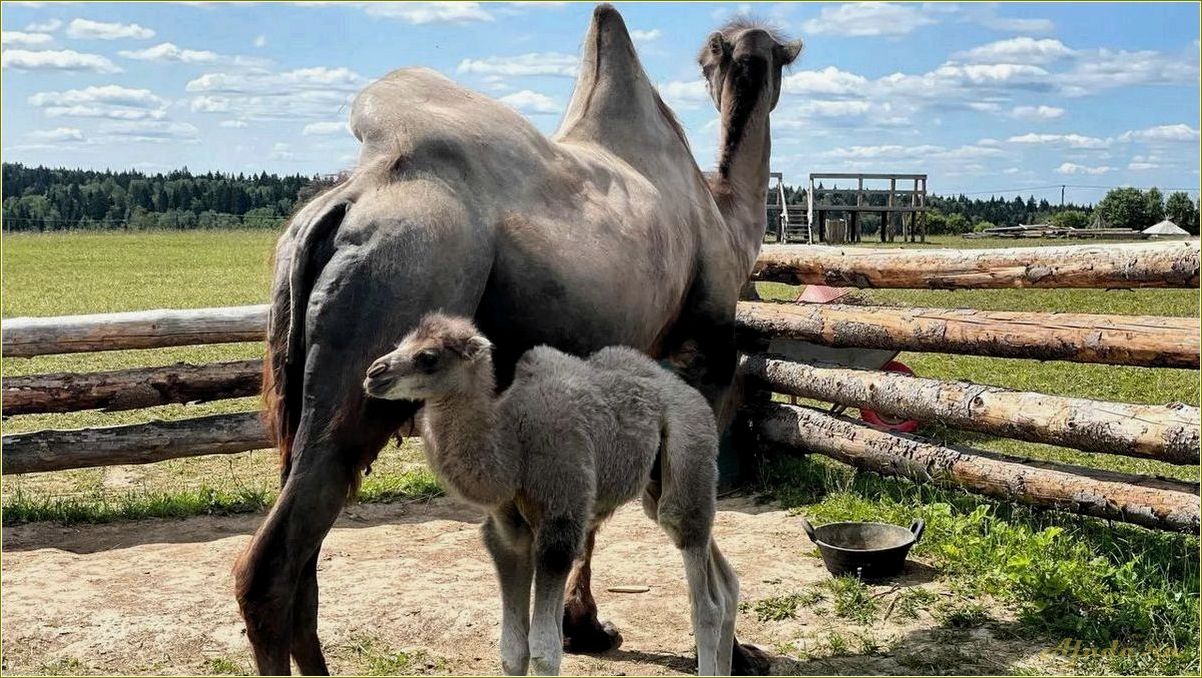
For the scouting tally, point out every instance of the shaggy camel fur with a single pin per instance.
(605, 234)
(565, 445)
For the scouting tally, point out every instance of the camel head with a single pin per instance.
(442, 356)
(743, 60)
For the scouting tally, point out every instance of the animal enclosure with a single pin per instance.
(1168, 433)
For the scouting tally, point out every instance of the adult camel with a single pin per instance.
(605, 234)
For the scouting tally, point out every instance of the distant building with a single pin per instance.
(1165, 228)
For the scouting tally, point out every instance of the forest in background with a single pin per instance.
(56, 199)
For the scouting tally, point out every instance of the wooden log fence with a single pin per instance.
(1157, 264)
(1164, 433)
(131, 389)
(1120, 498)
(1148, 341)
(58, 450)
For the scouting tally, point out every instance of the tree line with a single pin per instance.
(55, 199)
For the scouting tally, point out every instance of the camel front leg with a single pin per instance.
(583, 632)
(508, 539)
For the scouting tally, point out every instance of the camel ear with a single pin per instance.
(788, 52)
(476, 347)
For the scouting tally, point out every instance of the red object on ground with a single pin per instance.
(888, 423)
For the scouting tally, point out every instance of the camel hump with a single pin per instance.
(411, 108)
(614, 103)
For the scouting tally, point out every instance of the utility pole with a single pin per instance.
(1061, 197)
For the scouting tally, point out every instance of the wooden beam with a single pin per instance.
(24, 337)
(57, 450)
(1127, 265)
(1147, 341)
(1164, 433)
(856, 175)
(132, 388)
(1124, 498)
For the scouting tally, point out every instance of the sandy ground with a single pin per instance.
(155, 597)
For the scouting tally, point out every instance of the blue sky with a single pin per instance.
(982, 96)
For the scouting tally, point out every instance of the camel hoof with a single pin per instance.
(749, 660)
(591, 638)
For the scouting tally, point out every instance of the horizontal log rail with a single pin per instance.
(1127, 499)
(1165, 433)
(25, 337)
(1156, 264)
(131, 388)
(1148, 341)
(57, 450)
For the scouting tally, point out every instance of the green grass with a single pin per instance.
(1064, 576)
(371, 656)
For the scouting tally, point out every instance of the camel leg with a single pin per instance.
(508, 540)
(306, 648)
(557, 543)
(583, 632)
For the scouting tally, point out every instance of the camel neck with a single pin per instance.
(741, 187)
(462, 445)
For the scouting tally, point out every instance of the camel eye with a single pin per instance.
(426, 360)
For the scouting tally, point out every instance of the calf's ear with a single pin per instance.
(788, 52)
(476, 347)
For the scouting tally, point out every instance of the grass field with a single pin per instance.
(1065, 576)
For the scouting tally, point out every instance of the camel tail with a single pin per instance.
(283, 369)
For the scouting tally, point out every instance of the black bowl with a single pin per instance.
(864, 550)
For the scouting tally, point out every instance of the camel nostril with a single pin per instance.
(377, 369)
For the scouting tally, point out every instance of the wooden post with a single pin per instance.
(922, 200)
(1148, 341)
(892, 192)
(131, 389)
(1110, 266)
(1134, 499)
(1158, 432)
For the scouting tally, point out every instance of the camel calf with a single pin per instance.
(568, 442)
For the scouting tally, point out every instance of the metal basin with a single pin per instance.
(864, 550)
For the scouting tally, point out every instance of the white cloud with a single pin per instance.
(646, 36)
(544, 63)
(86, 29)
(1140, 166)
(1073, 168)
(531, 102)
(1040, 112)
(324, 129)
(1104, 69)
(1076, 141)
(1169, 133)
(828, 81)
(857, 19)
(106, 101)
(307, 93)
(49, 26)
(60, 134)
(282, 151)
(169, 52)
(56, 60)
(417, 12)
(1017, 51)
(150, 131)
(1016, 25)
(684, 94)
(260, 40)
(22, 39)
(232, 124)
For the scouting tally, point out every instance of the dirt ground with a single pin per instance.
(155, 597)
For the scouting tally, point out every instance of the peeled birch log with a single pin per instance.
(806, 430)
(1154, 264)
(56, 450)
(1148, 341)
(1165, 433)
(24, 337)
(131, 389)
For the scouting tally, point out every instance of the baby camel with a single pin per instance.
(567, 443)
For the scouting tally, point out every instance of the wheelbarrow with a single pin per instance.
(858, 358)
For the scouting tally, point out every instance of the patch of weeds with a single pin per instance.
(373, 657)
(866, 644)
(415, 485)
(63, 666)
(852, 600)
(911, 601)
(836, 645)
(961, 614)
(780, 608)
(224, 666)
